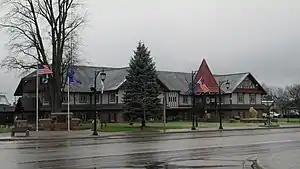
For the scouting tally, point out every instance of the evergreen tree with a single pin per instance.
(141, 86)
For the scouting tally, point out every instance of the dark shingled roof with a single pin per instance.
(233, 79)
(174, 81)
(114, 78)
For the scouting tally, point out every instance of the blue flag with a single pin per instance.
(190, 89)
(72, 77)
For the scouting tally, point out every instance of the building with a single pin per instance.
(6, 111)
(244, 92)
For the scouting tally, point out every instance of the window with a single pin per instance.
(240, 97)
(112, 98)
(174, 99)
(83, 98)
(252, 98)
(185, 99)
(65, 98)
(170, 99)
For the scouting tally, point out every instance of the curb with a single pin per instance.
(140, 135)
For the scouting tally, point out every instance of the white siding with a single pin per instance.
(120, 96)
(234, 98)
(226, 99)
(246, 98)
(172, 99)
(105, 98)
(258, 98)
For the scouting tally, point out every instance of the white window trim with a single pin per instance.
(110, 97)
(254, 100)
(238, 100)
(81, 95)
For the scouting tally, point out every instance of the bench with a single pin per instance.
(20, 126)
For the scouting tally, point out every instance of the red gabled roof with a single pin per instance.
(208, 78)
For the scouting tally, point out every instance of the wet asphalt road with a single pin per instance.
(275, 149)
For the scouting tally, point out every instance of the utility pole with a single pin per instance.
(143, 106)
(164, 102)
(220, 104)
(194, 100)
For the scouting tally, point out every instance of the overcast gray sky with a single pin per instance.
(257, 36)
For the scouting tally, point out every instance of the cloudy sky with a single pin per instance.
(257, 36)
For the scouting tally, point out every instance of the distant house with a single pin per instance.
(6, 110)
(244, 92)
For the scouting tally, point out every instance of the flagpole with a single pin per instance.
(68, 103)
(37, 98)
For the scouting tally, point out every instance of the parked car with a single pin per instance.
(292, 115)
(272, 115)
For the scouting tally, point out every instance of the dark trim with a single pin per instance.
(251, 77)
(256, 91)
(74, 96)
(117, 96)
(178, 99)
(108, 98)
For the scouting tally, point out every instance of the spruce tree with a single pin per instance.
(141, 86)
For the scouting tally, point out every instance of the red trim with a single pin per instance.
(208, 78)
(248, 90)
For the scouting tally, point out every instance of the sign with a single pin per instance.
(21, 124)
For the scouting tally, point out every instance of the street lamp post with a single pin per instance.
(269, 104)
(102, 77)
(193, 99)
(94, 89)
(220, 98)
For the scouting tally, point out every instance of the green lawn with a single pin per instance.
(291, 121)
(4, 130)
(155, 126)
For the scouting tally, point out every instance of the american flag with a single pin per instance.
(44, 69)
(202, 86)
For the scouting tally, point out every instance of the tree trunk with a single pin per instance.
(55, 94)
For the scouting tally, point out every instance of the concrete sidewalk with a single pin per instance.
(85, 134)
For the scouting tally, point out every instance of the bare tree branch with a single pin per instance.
(41, 32)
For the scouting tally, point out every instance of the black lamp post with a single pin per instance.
(94, 89)
(269, 114)
(220, 99)
(102, 77)
(193, 99)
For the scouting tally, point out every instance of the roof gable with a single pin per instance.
(250, 83)
(236, 81)
(233, 79)
(208, 78)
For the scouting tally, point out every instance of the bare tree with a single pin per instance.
(43, 31)
(280, 96)
(294, 94)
